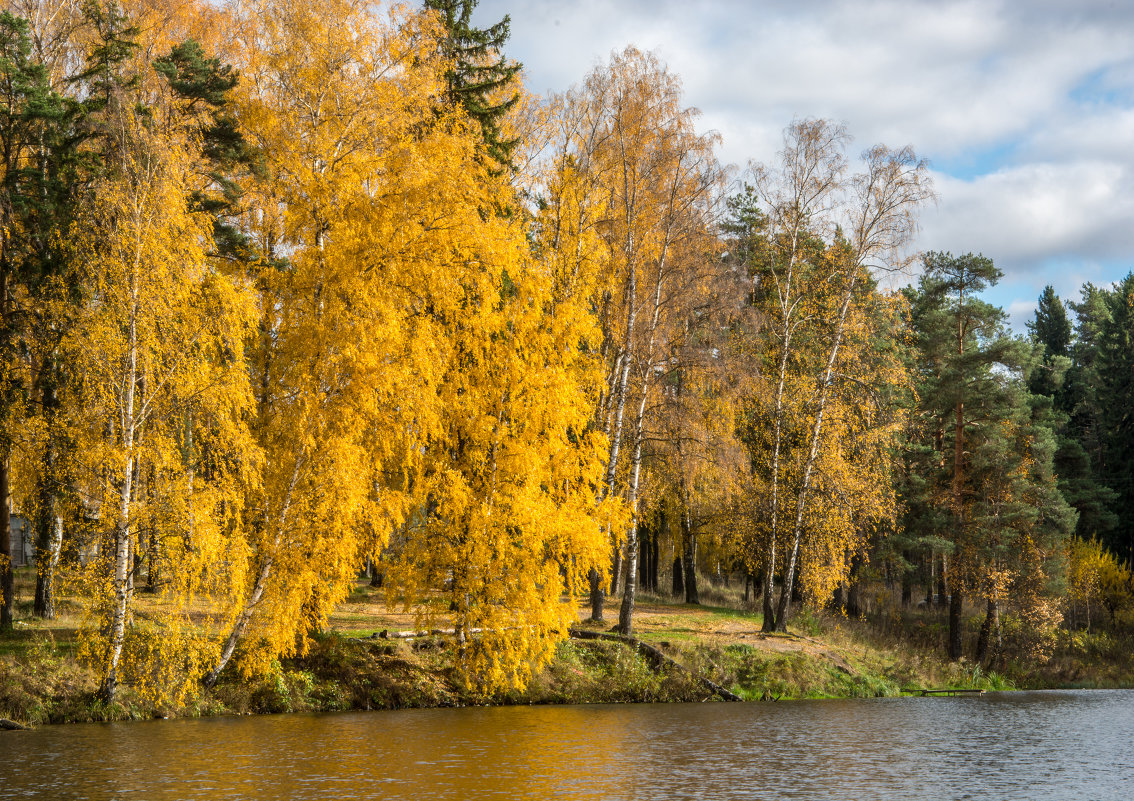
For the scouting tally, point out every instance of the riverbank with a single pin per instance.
(351, 666)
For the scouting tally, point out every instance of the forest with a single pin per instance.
(289, 292)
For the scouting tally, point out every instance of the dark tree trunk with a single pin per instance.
(49, 520)
(907, 583)
(647, 554)
(689, 563)
(655, 546)
(597, 595)
(678, 579)
(955, 603)
(854, 588)
(644, 558)
(854, 599)
(942, 583)
(153, 555)
(616, 571)
(930, 579)
(838, 598)
(748, 578)
(985, 632)
(7, 582)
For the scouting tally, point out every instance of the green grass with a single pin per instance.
(824, 655)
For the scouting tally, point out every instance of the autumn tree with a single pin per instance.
(161, 340)
(408, 370)
(822, 233)
(630, 201)
(330, 110)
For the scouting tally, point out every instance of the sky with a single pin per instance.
(1025, 110)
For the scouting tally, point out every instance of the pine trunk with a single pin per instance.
(907, 582)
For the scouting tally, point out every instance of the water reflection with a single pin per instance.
(1009, 746)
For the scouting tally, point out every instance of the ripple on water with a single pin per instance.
(1042, 745)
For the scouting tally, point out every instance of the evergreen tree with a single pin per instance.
(993, 452)
(1115, 402)
(113, 44)
(1060, 380)
(479, 75)
(205, 84)
(1051, 330)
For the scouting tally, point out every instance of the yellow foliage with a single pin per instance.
(414, 369)
(1096, 579)
(164, 457)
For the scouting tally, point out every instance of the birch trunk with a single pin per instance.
(261, 584)
(615, 432)
(629, 593)
(812, 455)
(689, 557)
(49, 543)
(120, 573)
(626, 613)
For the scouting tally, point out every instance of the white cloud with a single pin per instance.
(1029, 104)
(1036, 211)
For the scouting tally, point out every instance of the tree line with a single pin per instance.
(286, 291)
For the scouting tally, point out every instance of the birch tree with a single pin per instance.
(650, 180)
(161, 344)
(809, 290)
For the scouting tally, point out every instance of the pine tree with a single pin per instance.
(1059, 379)
(960, 338)
(205, 85)
(1115, 397)
(1052, 331)
(478, 75)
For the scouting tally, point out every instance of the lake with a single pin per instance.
(1028, 745)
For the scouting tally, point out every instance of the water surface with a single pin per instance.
(1036, 745)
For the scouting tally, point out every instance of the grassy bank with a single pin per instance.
(349, 667)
